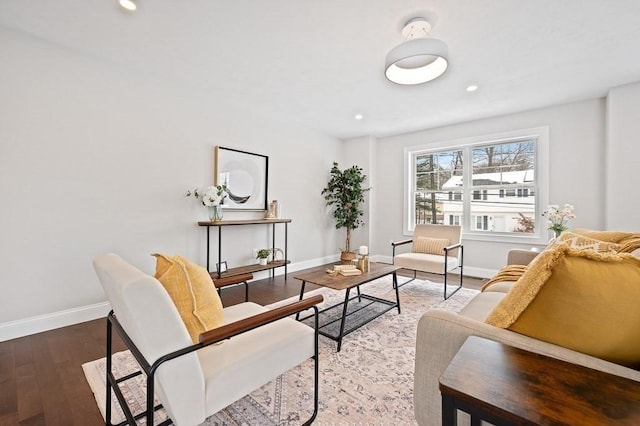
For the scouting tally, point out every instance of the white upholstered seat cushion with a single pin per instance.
(425, 262)
(232, 369)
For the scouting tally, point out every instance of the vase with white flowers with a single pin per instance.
(559, 218)
(211, 197)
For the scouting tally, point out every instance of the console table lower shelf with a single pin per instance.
(249, 269)
(338, 320)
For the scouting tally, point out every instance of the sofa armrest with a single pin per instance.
(521, 257)
(440, 335)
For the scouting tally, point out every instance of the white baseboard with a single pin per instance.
(472, 271)
(469, 271)
(298, 266)
(25, 327)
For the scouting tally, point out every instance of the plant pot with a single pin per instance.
(262, 261)
(347, 256)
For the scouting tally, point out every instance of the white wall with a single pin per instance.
(623, 154)
(576, 146)
(362, 152)
(93, 159)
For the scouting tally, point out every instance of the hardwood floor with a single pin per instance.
(41, 378)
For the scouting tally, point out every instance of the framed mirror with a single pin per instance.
(246, 176)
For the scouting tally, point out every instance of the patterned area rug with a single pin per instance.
(370, 381)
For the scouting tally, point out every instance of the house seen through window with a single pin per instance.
(486, 187)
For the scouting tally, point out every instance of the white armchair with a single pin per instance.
(436, 249)
(193, 381)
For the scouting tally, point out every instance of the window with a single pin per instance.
(478, 195)
(457, 196)
(481, 222)
(432, 171)
(490, 185)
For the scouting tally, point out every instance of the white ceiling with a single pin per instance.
(319, 62)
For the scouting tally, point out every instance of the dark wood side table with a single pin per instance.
(504, 385)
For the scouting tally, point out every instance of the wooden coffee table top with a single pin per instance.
(524, 387)
(339, 282)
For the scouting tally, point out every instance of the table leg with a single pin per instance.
(395, 285)
(449, 417)
(301, 294)
(344, 317)
(359, 297)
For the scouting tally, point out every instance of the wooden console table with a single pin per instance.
(247, 269)
(504, 385)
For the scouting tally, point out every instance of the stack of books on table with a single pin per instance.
(347, 270)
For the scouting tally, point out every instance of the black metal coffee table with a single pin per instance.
(342, 318)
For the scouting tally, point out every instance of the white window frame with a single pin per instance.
(539, 134)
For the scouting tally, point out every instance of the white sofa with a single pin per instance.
(440, 335)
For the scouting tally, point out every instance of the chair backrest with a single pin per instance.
(149, 317)
(449, 232)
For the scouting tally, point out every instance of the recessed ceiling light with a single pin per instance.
(472, 88)
(358, 116)
(128, 4)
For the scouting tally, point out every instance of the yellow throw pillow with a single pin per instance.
(190, 287)
(628, 242)
(579, 299)
(583, 242)
(430, 245)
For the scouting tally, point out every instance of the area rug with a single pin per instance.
(370, 381)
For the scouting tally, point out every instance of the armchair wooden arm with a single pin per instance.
(451, 247)
(246, 324)
(399, 243)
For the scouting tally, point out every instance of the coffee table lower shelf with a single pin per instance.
(342, 318)
(361, 309)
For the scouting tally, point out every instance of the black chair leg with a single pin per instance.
(406, 282)
(454, 291)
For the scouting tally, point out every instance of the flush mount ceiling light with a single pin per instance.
(420, 58)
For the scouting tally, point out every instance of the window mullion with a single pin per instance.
(467, 182)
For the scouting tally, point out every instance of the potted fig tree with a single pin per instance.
(345, 193)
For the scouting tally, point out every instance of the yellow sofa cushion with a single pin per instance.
(430, 245)
(579, 299)
(190, 287)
